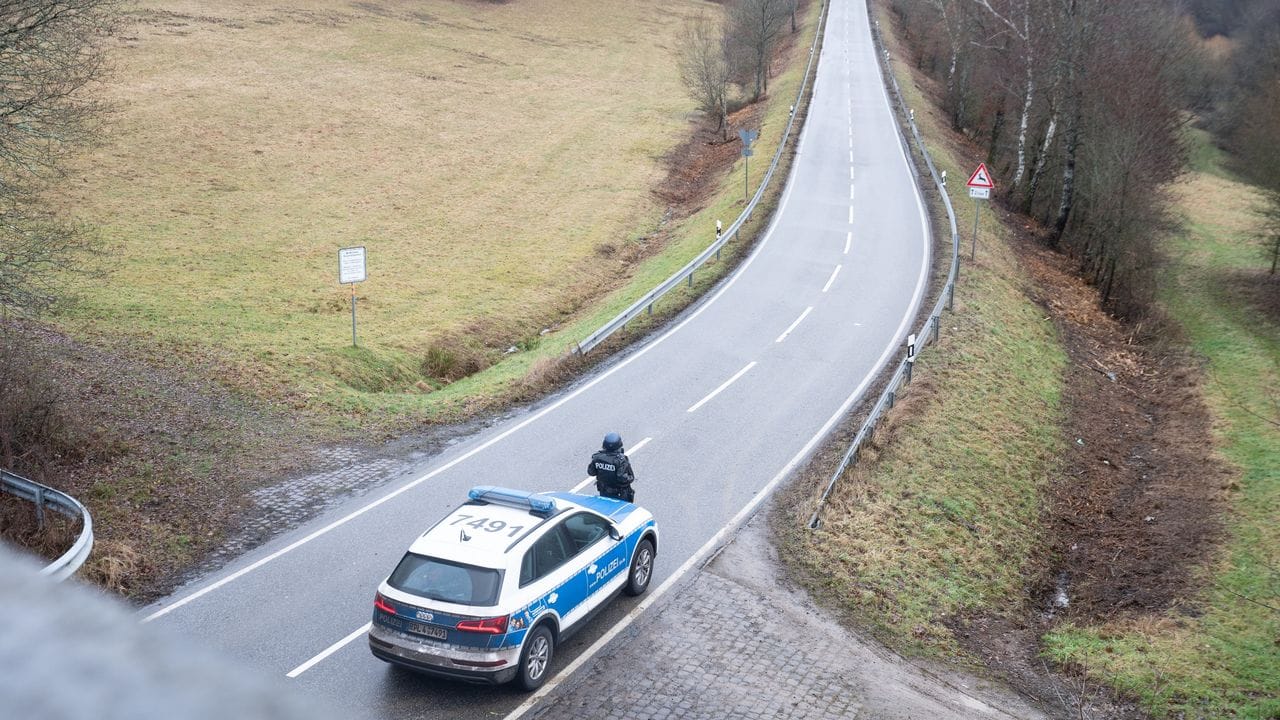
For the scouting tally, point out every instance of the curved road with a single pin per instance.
(716, 411)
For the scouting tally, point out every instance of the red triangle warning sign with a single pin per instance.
(981, 178)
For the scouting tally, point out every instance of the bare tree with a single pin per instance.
(755, 26)
(704, 67)
(50, 53)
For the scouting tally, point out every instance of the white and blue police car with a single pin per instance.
(488, 592)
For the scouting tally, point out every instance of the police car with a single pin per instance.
(488, 592)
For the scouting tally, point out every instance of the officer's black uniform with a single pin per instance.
(612, 471)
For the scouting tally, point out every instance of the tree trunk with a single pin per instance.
(1027, 97)
(1109, 283)
(997, 127)
(1067, 198)
(1034, 183)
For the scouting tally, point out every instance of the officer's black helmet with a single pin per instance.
(612, 442)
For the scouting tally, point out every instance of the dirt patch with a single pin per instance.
(695, 167)
(1258, 288)
(1137, 506)
(165, 456)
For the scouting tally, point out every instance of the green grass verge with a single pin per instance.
(942, 520)
(1226, 661)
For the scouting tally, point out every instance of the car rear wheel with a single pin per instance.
(535, 659)
(641, 569)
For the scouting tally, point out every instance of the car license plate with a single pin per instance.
(431, 631)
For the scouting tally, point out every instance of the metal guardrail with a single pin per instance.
(43, 496)
(931, 327)
(685, 274)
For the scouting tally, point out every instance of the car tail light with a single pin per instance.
(490, 626)
(381, 603)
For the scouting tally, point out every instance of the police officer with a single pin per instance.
(612, 470)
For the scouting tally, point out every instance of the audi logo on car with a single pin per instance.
(424, 615)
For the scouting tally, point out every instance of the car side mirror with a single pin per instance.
(613, 533)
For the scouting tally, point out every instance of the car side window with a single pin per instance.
(548, 553)
(584, 529)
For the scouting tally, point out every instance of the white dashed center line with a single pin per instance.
(720, 389)
(330, 650)
(787, 332)
(848, 240)
(832, 279)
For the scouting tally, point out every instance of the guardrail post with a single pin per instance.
(650, 311)
(936, 322)
(690, 279)
(40, 508)
(893, 396)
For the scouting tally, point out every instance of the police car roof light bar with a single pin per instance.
(533, 502)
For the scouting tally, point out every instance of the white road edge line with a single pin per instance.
(635, 449)
(330, 650)
(760, 246)
(723, 385)
(787, 332)
(850, 214)
(848, 240)
(832, 279)
(365, 628)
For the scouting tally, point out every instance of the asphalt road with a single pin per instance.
(726, 402)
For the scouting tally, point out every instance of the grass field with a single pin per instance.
(941, 519)
(495, 159)
(1221, 659)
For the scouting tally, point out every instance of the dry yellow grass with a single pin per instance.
(480, 151)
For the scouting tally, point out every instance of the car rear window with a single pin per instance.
(447, 581)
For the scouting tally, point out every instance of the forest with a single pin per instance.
(1083, 109)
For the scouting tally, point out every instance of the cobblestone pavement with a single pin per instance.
(736, 642)
(333, 475)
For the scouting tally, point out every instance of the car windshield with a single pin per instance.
(448, 581)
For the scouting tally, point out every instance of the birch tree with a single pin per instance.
(1015, 21)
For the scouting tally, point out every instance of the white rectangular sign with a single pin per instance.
(980, 192)
(351, 265)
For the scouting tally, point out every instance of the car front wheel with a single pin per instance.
(641, 569)
(535, 659)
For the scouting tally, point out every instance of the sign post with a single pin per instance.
(980, 187)
(351, 270)
(748, 137)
